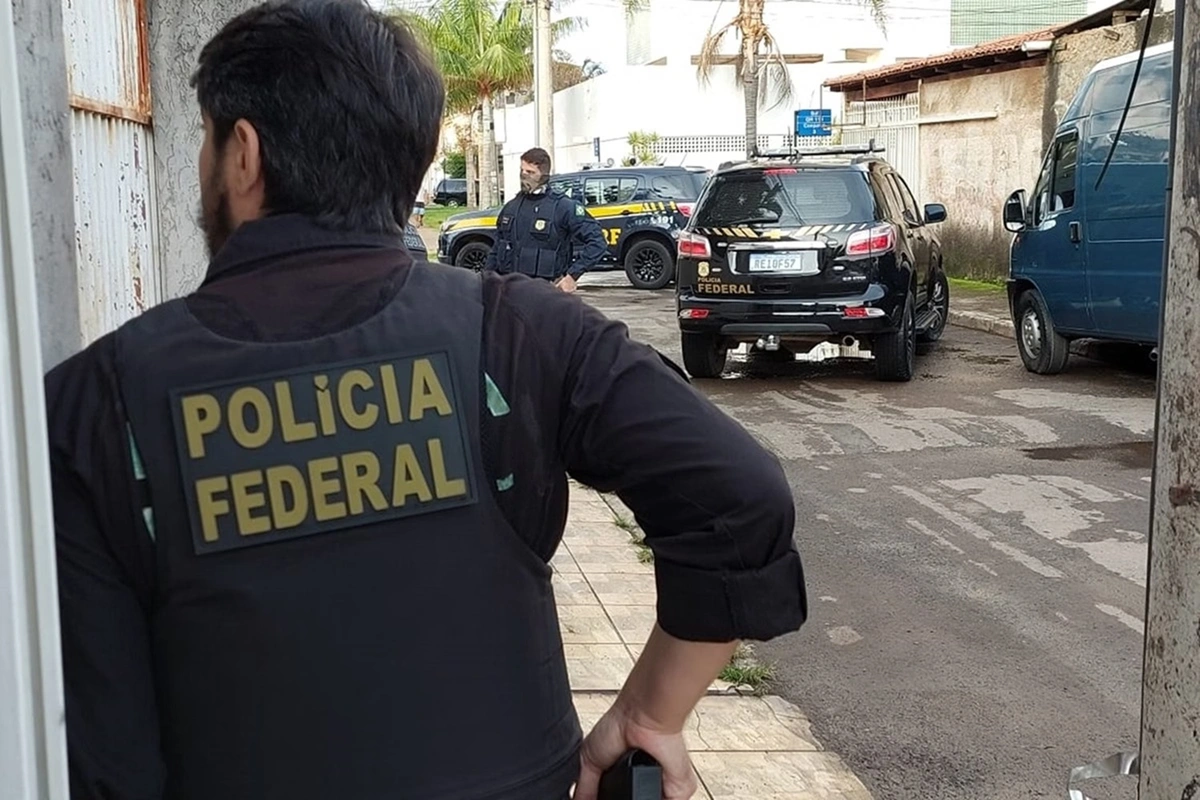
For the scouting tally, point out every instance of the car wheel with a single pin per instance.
(896, 353)
(1043, 349)
(649, 265)
(472, 255)
(452, 204)
(939, 299)
(703, 355)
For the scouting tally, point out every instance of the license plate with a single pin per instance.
(801, 262)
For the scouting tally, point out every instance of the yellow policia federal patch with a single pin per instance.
(283, 456)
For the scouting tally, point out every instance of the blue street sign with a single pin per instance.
(814, 122)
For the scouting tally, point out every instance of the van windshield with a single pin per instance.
(788, 197)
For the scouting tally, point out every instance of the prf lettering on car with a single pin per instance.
(310, 452)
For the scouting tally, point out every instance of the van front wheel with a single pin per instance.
(1043, 349)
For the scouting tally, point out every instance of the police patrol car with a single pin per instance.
(640, 209)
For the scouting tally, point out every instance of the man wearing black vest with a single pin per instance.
(543, 233)
(287, 499)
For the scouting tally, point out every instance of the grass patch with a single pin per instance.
(436, 215)
(626, 524)
(972, 285)
(745, 672)
(636, 537)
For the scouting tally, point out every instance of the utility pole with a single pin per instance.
(1170, 747)
(543, 76)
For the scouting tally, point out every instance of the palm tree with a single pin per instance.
(761, 66)
(482, 52)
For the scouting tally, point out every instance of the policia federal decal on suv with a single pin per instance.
(283, 456)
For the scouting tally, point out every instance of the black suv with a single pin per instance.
(451, 192)
(640, 209)
(788, 251)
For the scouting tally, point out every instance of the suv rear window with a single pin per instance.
(676, 186)
(788, 197)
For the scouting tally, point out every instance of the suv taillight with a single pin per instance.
(693, 245)
(873, 242)
(684, 208)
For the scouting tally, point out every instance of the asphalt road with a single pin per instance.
(975, 545)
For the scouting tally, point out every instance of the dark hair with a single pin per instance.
(539, 158)
(346, 103)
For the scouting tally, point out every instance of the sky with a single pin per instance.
(603, 37)
(602, 40)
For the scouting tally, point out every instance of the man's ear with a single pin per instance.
(245, 162)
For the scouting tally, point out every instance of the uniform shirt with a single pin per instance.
(578, 231)
(572, 394)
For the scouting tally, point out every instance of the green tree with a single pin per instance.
(762, 69)
(483, 52)
(454, 164)
(641, 143)
(483, 49)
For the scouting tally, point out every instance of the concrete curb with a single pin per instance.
(981, 321)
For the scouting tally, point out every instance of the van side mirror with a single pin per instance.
(935, 213)
(1014, 211)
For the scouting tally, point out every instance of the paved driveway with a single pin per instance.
(976, 548)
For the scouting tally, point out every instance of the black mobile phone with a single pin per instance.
(635, 776)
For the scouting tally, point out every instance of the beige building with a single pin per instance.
(970, 126)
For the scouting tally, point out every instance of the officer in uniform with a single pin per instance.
(543, 233)
(285, 500)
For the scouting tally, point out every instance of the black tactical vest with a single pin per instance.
(342, 613)
(541, 249)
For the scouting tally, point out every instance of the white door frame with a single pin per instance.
(33, 760)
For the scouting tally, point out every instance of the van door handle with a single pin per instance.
(1076, 233)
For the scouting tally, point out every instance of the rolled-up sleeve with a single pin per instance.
(715, 506)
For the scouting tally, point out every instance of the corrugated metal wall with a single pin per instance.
(108, 62)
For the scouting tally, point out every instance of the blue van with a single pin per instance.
(1087, 262)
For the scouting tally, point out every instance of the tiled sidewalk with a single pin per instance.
(743, 747)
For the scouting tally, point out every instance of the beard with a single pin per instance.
(216, 222)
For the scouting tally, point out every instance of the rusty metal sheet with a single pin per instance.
(115, 223)
(108, 57)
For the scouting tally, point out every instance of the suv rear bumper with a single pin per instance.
(809, 318)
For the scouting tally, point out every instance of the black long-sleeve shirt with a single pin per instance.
(581, 398)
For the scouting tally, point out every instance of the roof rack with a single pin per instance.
(795, 154)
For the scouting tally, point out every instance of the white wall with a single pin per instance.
(667, 100)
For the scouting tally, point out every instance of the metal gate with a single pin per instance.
(893, 124)
(116, 239)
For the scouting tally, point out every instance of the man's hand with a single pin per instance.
(567, 284)
(618, 732)
(667, 681)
